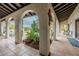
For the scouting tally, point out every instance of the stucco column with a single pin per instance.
(18, 31)
(0, 28)
(44, 41)
(54, 26)
(7, 33)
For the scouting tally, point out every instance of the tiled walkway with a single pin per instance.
(63, 48)
(58, 48)
(9, 48)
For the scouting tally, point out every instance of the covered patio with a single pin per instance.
(56, 25)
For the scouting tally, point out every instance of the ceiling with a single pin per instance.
(8, 8)
(63, 10)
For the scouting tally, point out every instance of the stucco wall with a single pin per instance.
(77, 29)
(57, 27)
(72, 18)
(55, 24)
(65, 22)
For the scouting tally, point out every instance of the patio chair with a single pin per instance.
(74, 41)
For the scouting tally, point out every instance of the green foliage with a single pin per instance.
(32, 36)
(34, 32)
(11, 26)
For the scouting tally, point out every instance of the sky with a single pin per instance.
(29, 20)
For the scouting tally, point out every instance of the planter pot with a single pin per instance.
(27, 41)
(32, 43)
(35, 45)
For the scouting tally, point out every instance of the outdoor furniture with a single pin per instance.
(74, 41)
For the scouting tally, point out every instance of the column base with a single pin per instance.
(56, 40)
(45, 55)
(17, 43)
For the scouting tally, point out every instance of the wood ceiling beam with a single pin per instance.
(67, 9)
(61, 7)
(1, 14)
(64, 8)
(3, 11)
(17, 5)
(66, 14)
(57, 5)
(21, 4)
(63, 20)
(12, 6)
(7, 7)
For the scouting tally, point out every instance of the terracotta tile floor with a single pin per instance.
(9, 48)
(63, 48)
(58, 48)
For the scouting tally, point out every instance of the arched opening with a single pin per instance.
(51, 30)
(3, 28)
(11, 28)
(30, 27)
(51, 25)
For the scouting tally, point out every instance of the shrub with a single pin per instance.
(34, 33)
